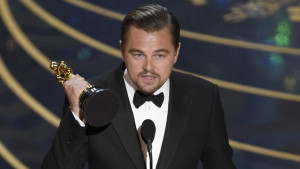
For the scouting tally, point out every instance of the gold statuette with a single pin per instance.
(98, 105)
(62, 71)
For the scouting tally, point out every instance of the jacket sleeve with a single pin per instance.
(217, 151)
(69, 148)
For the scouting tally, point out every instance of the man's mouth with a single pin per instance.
(148, 77)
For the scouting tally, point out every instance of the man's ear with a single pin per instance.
(121, 48)
(177, 53)
(121, 45)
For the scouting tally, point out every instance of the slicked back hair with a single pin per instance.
(151, 18)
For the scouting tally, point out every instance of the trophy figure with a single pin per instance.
(98, 105)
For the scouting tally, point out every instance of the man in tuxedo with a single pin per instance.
(188, 115)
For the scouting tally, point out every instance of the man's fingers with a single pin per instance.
(76, 82)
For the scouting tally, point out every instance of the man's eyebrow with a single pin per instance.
(140, 51)
(162, 50)
(135, 50)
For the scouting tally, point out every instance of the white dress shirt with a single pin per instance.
(150, 111)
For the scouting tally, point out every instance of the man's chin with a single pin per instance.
(147, 90)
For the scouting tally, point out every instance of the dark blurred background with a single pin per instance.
(250, 48)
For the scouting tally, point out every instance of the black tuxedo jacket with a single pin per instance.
(195, 131)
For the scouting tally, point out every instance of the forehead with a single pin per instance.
(137, 35)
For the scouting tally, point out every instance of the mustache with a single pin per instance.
(152, 73)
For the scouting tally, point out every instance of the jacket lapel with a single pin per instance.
(177, 117)
(124, 123)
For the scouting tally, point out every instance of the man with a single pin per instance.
(189, 121)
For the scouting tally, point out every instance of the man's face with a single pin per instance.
(149, 58)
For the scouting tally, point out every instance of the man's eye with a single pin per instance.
(160, 56)
(137, 55)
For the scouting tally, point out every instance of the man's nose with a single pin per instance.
(148, 64)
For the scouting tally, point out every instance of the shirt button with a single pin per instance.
(149, 107)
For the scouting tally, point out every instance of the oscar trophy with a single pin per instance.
(99, 106)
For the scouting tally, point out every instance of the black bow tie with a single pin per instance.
(139, 99)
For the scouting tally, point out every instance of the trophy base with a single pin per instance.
(99, 106)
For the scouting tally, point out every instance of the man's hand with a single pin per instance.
(73, 88)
